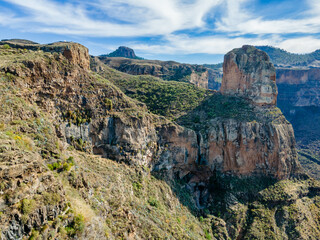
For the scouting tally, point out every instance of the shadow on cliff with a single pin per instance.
(216, 195)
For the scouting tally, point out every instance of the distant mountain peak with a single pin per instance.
(123, 51)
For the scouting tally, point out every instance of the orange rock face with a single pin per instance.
(251, 148)
(77, 54)
(248, 72)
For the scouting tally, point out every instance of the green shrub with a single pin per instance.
(70, 160)
(207, 234)
(50, 167)
(67, 166)
(108, 103)
(27, 206)
(137, 187)
(76, 226)
(56, 165)
(6, 46)
(34, 235)
(153, 202)
(51, 198)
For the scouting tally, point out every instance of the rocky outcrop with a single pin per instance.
(255, 140)
(124, 52)
(263, 145)
(250, 148)
(23, 179)
(248, 72)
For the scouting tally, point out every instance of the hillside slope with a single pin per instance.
(168, 70)
(81, 160)
(51, 185)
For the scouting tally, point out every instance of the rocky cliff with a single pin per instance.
(226, 145)
(76, 53)
(232, 144)
(247, 72)
(60, 116)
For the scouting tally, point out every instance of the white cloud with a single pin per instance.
(239, 21)
(132, 18)
(143, 17)
(221, 45)
(300, 45)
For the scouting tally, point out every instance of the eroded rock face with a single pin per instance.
(77, 54)
(250, 148)
(248, 72)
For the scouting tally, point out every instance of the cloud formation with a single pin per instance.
(183, 26)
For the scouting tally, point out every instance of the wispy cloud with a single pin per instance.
(141, 17)
(184, 26)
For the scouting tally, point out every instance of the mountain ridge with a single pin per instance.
(84, 156)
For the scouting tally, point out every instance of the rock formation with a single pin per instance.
(254, 140)
(247, 72)
(124, 52)
(230, 145)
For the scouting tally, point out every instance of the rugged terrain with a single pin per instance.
(90, 155)
(199, 75)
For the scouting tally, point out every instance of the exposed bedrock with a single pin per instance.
(248, 72)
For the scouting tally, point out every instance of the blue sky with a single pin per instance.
(192, 31)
